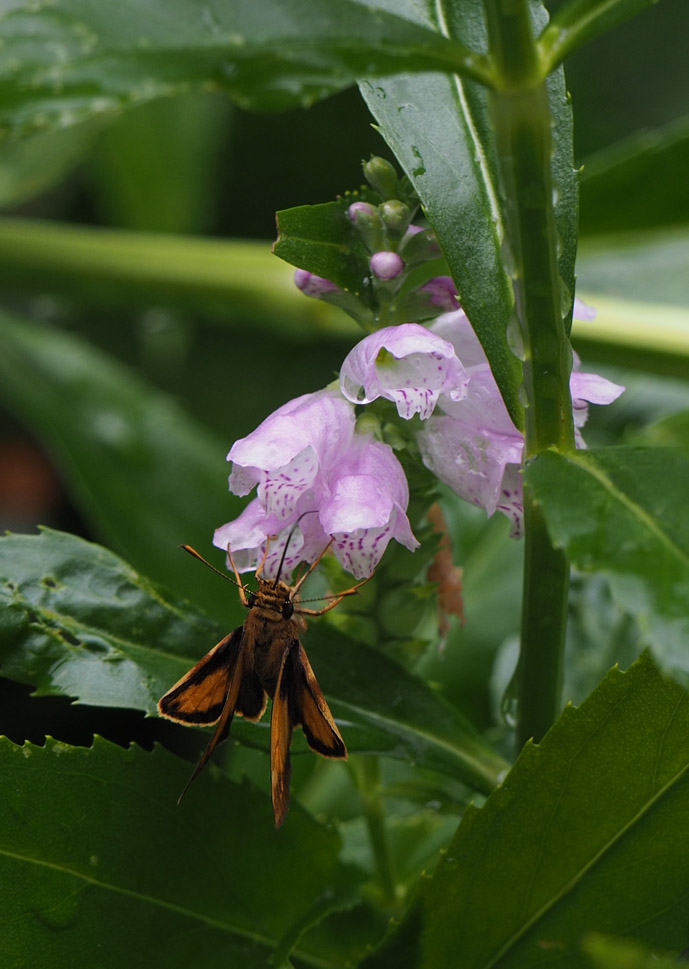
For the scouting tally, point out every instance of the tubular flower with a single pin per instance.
(317, 481)
(407, 364)
(472, 445)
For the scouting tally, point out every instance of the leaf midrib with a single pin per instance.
(646, 807)
(168, 906)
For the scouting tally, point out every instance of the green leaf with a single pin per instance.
(171, 177)
(638, 183)
(77, 621)
(75, 59)
(651, 267)
(34, 165)
(439, 128)
(144, 474)
(306, 237)
(608, 953)
(621, 511)
(586, 833)
(97, 858)
(578, 21)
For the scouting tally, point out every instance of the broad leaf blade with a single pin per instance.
(621, 511)
(92, 842)
(145, 476)
(79, 622)
(74, 59)
(601, 802)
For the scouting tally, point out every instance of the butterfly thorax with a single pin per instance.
(272, 602)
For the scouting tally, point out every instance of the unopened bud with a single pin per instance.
(441, 292)
(381, 175)
(312, 285)
(396, 217)
(386, 265)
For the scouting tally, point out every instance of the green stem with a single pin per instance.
(370, 791)
(523, 121)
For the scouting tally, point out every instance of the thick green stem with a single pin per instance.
(523, 121)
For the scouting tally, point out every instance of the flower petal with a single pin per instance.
(406, 364)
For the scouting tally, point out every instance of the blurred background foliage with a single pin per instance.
(196, 167)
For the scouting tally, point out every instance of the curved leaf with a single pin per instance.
(135, 463)
(71, 60)
(77, 621)
(622, 511)
(91, 842)
(600, 803)
(439, 128)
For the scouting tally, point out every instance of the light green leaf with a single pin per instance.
(77, 621)
(100, 865)
(652, 267)
(622, 511)
(75, 59)
(144, 474)
(586, 833)
(578, 21)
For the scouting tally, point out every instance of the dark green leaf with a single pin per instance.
(601, 803)
(79, 622)
(320, 238)
(439, 128)
(100, 867)
(638, 184)
(75, 59)
(621, 510)
(32, 166)
(578, 21)
(145, 476)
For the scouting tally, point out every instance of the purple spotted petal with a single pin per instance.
(406, 364)
(366, 507)
(468, 459)
(246, 538)
(286, 453)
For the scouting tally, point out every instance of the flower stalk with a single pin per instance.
(523, 125)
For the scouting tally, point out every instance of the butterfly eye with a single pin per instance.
(287, 610)
(252, 600)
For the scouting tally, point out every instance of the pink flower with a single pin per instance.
(472, 445)
(407, 364)
(316, 481)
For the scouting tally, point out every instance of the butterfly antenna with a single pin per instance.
(223, 575)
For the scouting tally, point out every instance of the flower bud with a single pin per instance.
(381, 176)
(396, 217)
(312, 285)
(386, 264)
(367, 223)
